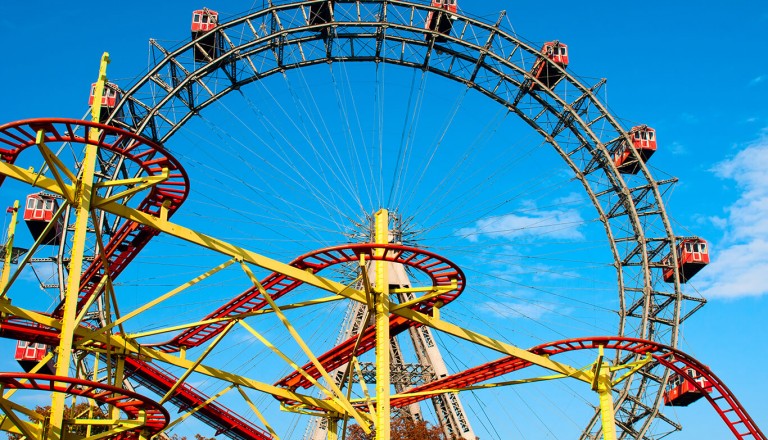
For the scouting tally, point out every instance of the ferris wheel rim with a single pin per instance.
(622, 189)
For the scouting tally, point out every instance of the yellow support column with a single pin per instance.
(82, 204)
(333, 428)
(603, 385)
(381, 306)
(5, 276)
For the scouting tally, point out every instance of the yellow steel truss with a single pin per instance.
(80, 193)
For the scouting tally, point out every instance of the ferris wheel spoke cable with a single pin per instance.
(317, 193)
(319, 157)
(457, 177)
(352, 148)
(275, 168)
(410, 122)
(463, 218)
(490, 275)
(350, 92)
(446, 127)
(330, 151)
(270, 190)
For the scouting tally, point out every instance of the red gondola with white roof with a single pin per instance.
(440, 21)
(109, 99)
(644, 140)
(29, 354)
(204, 22)
(681, 391)
(38, 213)
(557, 53)
(692, 256)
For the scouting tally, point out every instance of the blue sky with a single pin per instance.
(696, 75)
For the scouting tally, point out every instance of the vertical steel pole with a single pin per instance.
(381, 292)
(333, 428)
(606, 402)
(9, 247)
(82, 204)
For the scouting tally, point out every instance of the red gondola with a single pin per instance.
(681, 391)
(439, 21)
(203, 22)
(28, 354)
(321, 13)
(692, 256)
(38, 213)
(109, 100)
(644, 140)
(556, 52)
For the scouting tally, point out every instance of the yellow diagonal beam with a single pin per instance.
(300, 275)
(57, 167)
(31, 251)
(339, 395)
(364, 387)
(287, 359)
(233, 317)
(30, 430)
(634, 367)
(195, 364)
(48, 356)
(143, 183)
(107, 274)
(437, 291)
(167, 296)
(194, 410)
(258, 414)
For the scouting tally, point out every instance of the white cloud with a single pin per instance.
(740, 261)
(530, 222)
(678, 149)
(757, 80)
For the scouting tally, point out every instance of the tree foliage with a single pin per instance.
(76, 411)
(402, 427)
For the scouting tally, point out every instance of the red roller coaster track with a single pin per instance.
(124, 245)
(152, 415)
(724, 402)
(131, 237)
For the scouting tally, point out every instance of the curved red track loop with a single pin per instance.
(132, 404)
(441, 271)
(721, 398)
(150, 157)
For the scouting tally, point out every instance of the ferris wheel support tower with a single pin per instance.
(430, 365)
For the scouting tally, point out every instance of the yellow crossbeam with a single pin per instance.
(195, 364)
(339, 395)
(194, 410)
(258, 414)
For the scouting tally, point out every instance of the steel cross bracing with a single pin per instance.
(124, 239)
(451, 414)
(485, 57)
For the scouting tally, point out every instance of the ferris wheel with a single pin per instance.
(273, 167)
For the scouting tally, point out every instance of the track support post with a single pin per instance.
(6, 273)
(603, 385)
(381, 306)
(82, 204)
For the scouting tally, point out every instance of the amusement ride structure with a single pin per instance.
(106, 212)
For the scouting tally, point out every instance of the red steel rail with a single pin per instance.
(721, 398)
(132, 404)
